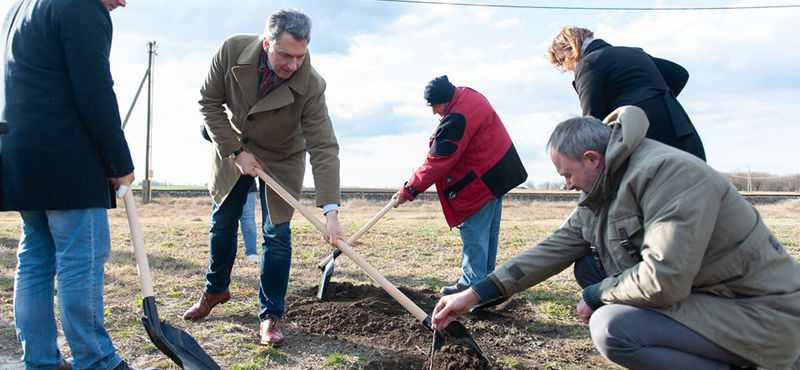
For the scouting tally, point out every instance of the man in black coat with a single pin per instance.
(608, 77)
(60, 163)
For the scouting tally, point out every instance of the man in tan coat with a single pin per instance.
(678, 270)
(277, 110)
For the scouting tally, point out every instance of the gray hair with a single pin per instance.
(293, 21)
(575, 136)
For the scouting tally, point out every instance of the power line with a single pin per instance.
(541, 7)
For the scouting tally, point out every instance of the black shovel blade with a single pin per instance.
(455, 331)
(178, 345)
(326, 278)
(458, 331)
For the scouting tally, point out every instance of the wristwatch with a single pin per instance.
(237, 152)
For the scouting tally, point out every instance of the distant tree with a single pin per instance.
(763, 181)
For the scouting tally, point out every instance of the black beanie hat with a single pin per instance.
(439, 91)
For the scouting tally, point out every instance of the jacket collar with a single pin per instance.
(594, 45)
(246, 74)
(629, 125)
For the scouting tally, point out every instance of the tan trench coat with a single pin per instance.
(278, 129)
(708, 260)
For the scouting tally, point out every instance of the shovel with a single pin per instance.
(178, 345)
(455, 329)
(327, 264)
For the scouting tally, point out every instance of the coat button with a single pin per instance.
(449, 179)
(614, 282)
(451, 195)
(250, 117)
(245, 140)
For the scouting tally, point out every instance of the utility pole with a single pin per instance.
(749, 180)
(148, 173)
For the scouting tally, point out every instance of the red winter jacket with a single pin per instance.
(471, 158)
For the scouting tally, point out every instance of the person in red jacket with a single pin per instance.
(473, 163)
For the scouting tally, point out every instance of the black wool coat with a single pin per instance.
(65, 138)
(608, 77)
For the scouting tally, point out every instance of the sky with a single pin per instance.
(377, 57)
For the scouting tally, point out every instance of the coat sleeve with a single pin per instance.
(590, 85)
(322, 147)
(674, 75)
(85, 29)
(448, 144)
(680, 207)
(213, 97)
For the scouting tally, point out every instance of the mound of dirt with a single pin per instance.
(367, 314)
(455, 356)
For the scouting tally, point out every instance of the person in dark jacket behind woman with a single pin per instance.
(608, 77)
(59, 166)
(473, 163)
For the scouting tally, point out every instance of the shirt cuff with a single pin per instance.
(330, 207)
(591, 297)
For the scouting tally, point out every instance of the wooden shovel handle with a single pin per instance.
(138, 242)
(360, 232)
(401, 298)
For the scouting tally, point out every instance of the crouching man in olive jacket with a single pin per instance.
(678, 270)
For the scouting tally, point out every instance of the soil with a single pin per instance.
(367, 315)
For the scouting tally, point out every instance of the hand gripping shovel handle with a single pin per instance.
(358, 234)
(412, 308)
(138, 241)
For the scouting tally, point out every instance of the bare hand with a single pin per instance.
(451, 306)
(398, 198)
(247, 164)
(335, 231)
(584, 311)
(126, 180)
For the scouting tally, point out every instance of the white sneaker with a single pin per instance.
(253, 258)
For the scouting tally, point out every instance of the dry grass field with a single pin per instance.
(411, 246)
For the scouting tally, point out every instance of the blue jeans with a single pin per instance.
(276, 261)
(480, 233)
(276, 250)
(223, 234)
(248, 222)
(72, 245)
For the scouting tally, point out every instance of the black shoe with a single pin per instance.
(453, 289)
(124, 366)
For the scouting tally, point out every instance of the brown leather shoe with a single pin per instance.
(202, 308)
(270, 331)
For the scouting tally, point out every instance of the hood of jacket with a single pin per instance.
(629, 126)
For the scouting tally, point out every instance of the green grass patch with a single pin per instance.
(227, 328)
(250, 365)
(6, 284)
(507, 362)
(272, 354)
(431, 283)
(345, 361)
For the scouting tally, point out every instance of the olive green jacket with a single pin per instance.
(278, 129)
(697, 251)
